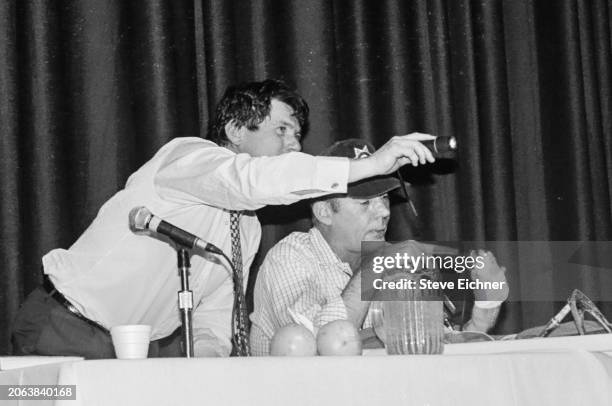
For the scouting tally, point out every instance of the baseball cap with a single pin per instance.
(366, 188)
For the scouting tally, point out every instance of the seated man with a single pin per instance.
(316, 274)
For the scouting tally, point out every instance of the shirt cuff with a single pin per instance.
(331, 174)
(488, 304)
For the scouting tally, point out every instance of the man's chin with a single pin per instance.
(375, 236)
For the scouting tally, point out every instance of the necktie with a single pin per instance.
(240, 327)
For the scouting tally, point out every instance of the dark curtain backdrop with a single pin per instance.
(91, 89)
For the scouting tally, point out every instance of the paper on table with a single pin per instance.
(15, 362)
(593, 343)
(301, 319)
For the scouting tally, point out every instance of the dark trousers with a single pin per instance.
(45, 327)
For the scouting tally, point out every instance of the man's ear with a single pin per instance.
(234, 133)
(322, 211)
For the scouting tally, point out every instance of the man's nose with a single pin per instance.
(292, 144)
(382, 207)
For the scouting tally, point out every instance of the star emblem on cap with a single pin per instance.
(361, 152)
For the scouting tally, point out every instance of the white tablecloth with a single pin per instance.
(526, 378)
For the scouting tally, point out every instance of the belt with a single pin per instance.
(61, 299)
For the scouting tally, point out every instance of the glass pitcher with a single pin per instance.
(413, 322)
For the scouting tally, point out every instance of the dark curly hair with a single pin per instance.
(248, 104)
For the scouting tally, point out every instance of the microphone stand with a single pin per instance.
(141, 219)
(185, 300)
(185, 297)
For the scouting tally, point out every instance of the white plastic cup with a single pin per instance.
(131, 341)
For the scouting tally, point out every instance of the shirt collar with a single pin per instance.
(324, 252)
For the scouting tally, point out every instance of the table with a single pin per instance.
(520, 378)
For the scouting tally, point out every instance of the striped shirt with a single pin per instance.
(301, 272)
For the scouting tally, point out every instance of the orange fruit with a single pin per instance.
(293, 340)
(339, 337)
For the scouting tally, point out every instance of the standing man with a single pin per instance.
(316, 274)
(111, 276)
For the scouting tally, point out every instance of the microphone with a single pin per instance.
(141, 220)
(441, 144)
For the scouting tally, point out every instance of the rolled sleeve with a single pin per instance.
(483, 319)
(334, 309)
(488, 304)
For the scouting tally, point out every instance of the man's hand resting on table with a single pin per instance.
(490, 272)
(488, 301)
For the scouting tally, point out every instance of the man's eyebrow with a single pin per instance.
(286, 122)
